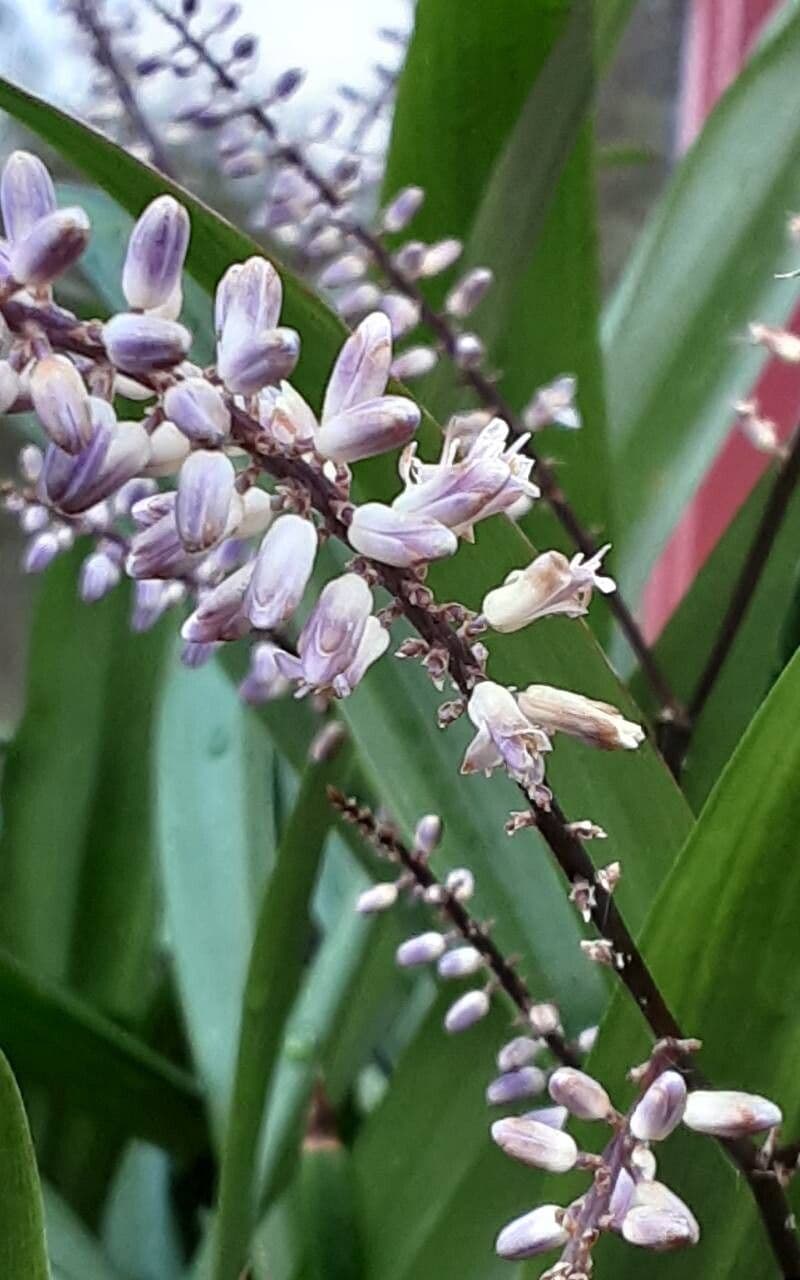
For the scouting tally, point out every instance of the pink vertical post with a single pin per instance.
(719, 36)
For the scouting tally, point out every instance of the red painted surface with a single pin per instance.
(718, 37)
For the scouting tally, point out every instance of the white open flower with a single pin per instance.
(505, 737)
(551, 584)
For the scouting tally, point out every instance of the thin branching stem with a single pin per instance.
(483, 387)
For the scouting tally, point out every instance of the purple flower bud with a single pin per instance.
(361, 370)
(198, 410)
(580, 1094)
(282, 569)
(464, 297)
(466, 1011)
(536, 1232)
(414, 363)
(169, 448)
(50, 248)
(373, 645)
(257, 513)
(33, 518)
(31, 460)
(461, 962)
(26, 193)
(535, 1144)
(151, 599)
(621, 1199)
(398, 214)
(660, 1109)
(379, 898)
(263, 682)
(518, 1053)
(258, 361)
(369, 428)
(524, 1082)
(115, 453)
(330, 640)
(205, 499)
(195, 656)
(556, 1117)
(9, 386)
(287, 83)
(358, 300)
(99, 575)
(403, 313)
(150, 508)
(658, 1219)
(61, 401)
(41, 552)
(428, 833)
(157, 552)
(469, 351)
(248, 301)
(440, 256)
(391, 537)
(220, 615)
(423, 949)
(139, 344)
(343, 270)
(156, 252)
(726, 1113)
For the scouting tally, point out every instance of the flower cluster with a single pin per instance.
(625, 1196)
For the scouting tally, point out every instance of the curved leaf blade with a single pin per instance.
(23, 1250)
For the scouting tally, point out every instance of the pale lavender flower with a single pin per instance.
(27, 193)
(115, 454)
(220, 614)
(157, 551)
(329, 644)
(50, 248)
(156, 252)
(422, 949)
(414, 363)
(539, 1231)
(380, 897)
(505, 737)
(206, 499)
(394, 538)
(40, 552)
(461, 962)
(466, 1011)
(281, 572)
(263, 682)
(287, 417)
(141, 344)
(100, 573)
(554, 403)
(582, 1095)
(522, 1082)
(61, 402)
(727, 1113)
(539, 1145)
(658, 1219)
(151, 599)
(468, 292)
(251, 350)
(551, 584)
(198, 410)
(660, 1109)
(368, 428)
(402, 208)
(518, 1053)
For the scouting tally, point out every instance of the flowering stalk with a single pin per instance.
(96, 472)
(451, 340)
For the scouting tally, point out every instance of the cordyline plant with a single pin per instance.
(225, 487)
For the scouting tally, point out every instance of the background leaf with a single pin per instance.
(22, 1241)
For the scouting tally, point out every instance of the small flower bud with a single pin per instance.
(31, 459)
(556, 1117)
(198, 410)
(27, 193)
(156, 252)
(726, 1113)
(50, 248)
(403, 312)
(219, 615)
(536, 1232)
(461, 962)
(139, 344)
(423, 949)
(281, 572)
(464, 297)
(403, 207)
(61, 401)
(660, 1109)
(580, 1094)
(658, 1219)
(544, 1018)
(518, 1053)
(257, 362)
(779, 342)
(466, 1011)
(469, 351)
(257, 513)
(40, 552)
(368, 428)
(524, 1082)
(428, 833)
(343, 270)
(414, 363)
(394, 538)
(379, 898)
(205, 499)
(535, 1144)
(460, 883)
(169, 448)
(587, 1039)
(439, 257)
(99, 575)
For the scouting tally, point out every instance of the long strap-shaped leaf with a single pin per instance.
(23, 1252)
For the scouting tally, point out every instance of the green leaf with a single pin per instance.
(214, 771)
(329, 1210)
(56, 1039)
(75, 1254)
(280, 943)
(703, 268)
(758, 651)
(722, 943)
(610, 19)
(23, 1252)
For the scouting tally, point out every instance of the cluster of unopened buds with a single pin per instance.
(625, 1196)
(242, 553)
